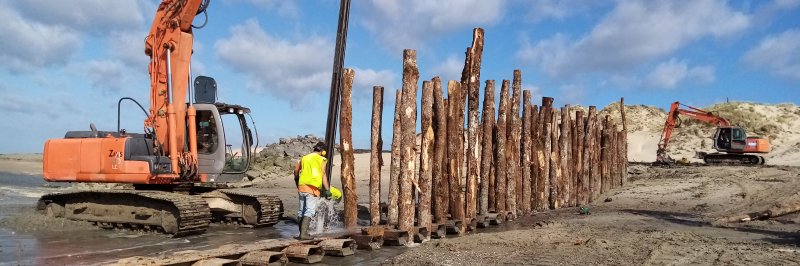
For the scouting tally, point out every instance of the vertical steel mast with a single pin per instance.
(336, 83)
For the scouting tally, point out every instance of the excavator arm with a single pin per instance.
(673, 120)
(169, 45)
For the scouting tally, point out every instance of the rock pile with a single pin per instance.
(279, 159)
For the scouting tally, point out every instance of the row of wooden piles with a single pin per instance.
(517, 159)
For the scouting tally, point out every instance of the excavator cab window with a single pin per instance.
(738, 134)
(237, 148)
(724, 139)
(738, 138)
(207, 134)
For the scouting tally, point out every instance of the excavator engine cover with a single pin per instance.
(205, 90)
(105, 159)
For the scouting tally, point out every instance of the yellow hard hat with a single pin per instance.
(336, 194)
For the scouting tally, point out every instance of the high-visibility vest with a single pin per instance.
(311, 172)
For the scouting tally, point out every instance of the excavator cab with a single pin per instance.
(224, 141)
(730, 139)
(224, 137)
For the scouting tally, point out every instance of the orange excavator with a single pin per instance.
(731, 142)
(180, 166)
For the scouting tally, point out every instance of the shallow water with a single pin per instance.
(92, 246)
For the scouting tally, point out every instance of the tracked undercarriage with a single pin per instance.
(178, 214)
(731, 158)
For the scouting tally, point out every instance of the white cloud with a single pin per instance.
(450, 69)
(401, 24)
(777, 54)
(27, 45)
(670, 74)
(286, 69)
(702, 74)
(20, 104)
(536, 93)
(291, 70)
(635, 32)
(770, 11)
(284, 8)
(539, 10)
(94, 16)
(365, 79)
(128, 46)
(572, 94)
(107, 75)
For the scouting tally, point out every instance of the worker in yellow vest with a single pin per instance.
(312, 183)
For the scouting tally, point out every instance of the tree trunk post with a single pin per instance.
(473, 131)
(605, 155)
(453, 134)
(613, 162)
(376, 158)
(425, 157)
(487, 149)
(564, 150)
(625, 141)
(536, 147)
(500, 156)
(348, 159)
(525, 200)
(555, 163)
(394, 174)
(440, 184)
(573, 159)
(580, 138)
(594, 154)
(408, 143)
(514, 181)
(546, 138)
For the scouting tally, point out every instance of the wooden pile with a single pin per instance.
(526, 159)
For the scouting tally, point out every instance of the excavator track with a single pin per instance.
(723, 158)
(171, 213)
(268, 208)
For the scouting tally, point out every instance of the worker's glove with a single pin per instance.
(326, 194)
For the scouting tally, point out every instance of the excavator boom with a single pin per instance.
(169, 45)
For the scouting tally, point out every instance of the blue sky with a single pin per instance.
(64, 64)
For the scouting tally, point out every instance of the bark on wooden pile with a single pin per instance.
(348, 178)
(408, 143)
(426, 153)
(537, 187)
(472, 82)
(525, 200)
(625, 138)
(394, 174)
(588, 153)
(454, 126)
(500, 152)
(514, 178)
(487, 151)
(582, 186)
(573, 158)
(605, 156)
(440, 182)
(563, 153)
(595, 165)
(376, 157)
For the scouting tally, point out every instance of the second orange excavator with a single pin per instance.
(731, 141)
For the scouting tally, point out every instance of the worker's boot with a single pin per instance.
(300, 223)
(304, 229)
